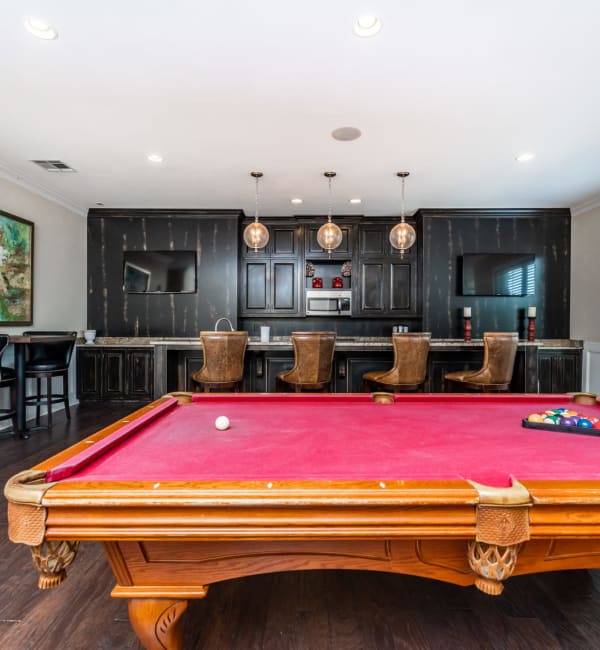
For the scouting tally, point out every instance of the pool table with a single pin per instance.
(450, 487)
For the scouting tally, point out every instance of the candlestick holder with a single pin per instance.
(467, 328)
(531, 329)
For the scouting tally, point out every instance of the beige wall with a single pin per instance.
(585, 275)
(59, 264)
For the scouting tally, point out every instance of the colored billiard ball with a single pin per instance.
(222, 423)
(551, 419)
(536, 417)
(584, 423)
(568, 421)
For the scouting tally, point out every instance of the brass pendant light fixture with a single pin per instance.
(330, 234)
(402, 235)
(256, 234)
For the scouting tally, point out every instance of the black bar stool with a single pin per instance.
(8, 380)
(45, 360)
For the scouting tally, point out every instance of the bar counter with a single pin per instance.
(545, 365)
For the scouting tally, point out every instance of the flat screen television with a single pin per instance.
(159, 271)
(498, 274)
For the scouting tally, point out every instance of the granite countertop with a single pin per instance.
(254, 343)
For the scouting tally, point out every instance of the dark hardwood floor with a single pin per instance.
(307, 610)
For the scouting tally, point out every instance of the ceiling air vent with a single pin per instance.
(54, 166)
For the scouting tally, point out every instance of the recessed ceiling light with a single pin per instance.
(296, 201)
(40, 29)
(524, 157)
(366, 26)
(346, 133)
(356, 200)
(155, 157)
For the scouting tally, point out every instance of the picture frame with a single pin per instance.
(16, 270)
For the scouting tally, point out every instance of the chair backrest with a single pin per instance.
(223, 355)
(313, 356)
(410, 357)
(54, 351)
(499, 352)
(4, 338)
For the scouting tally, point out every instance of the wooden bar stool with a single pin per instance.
(223, 366)
(313, 360)
(495, 375)
(8, 380)
(411, 350)
(46, 360)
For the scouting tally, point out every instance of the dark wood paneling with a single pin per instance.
(448, 234)
(255, 285)
(314, 250)
(212, 235)
(559, 371)
(285, 286)
(401, 283)
(372, 287)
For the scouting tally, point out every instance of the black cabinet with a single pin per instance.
(115, 374)
(387, 279)
(559, 371)
(271, 277)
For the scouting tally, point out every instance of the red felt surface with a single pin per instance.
(419, 437)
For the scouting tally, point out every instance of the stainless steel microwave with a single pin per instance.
(321, 302)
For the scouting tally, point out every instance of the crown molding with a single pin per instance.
(9, 175)
(587, 206)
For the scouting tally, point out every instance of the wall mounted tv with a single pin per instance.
(498, 274)
(159, 271)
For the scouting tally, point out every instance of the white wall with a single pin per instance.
(59, 266)
(585, 275)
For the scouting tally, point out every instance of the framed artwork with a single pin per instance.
(16, 270)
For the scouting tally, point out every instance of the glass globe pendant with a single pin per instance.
(329, 235)
(402, 235)
(256, 234)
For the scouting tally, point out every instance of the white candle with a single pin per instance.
(467, 312)
(531, 312)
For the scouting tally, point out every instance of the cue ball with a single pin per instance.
(222, 423)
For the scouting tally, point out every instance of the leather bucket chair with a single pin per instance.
(8, 380)
(223, 366)
(313, 360)
(45, 360)
(495, 375)
(411, 350)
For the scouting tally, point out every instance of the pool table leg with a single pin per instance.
(157, 622)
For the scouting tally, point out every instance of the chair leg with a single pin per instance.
(38, 383)
(66, 396)
(13, 407)
(49, 400)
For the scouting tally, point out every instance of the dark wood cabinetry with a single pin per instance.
(559, 371)
(388, 280)
(271, 277)
(115, 373)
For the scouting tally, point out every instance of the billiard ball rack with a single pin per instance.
(547, 426)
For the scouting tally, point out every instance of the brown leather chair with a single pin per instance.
(499, 351)
(313, 359)
(8, 380)
(410, 365)
(223, 361)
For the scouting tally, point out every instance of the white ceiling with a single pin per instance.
(450, 91)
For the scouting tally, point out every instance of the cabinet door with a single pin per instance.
(255, 293)
(113, 374)
(283, 241)
(372, 241)
(372, 289)
(139, 374)
(89, 373)
(559, 371)
(284, 286)
(314, 251)
(403, 289)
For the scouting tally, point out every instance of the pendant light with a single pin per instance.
(256, 235)
(329, 235)
(402, 235)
